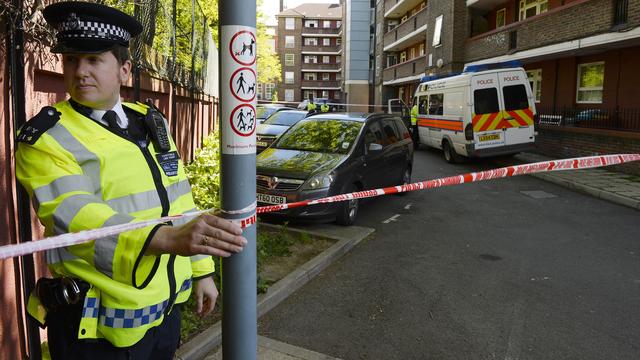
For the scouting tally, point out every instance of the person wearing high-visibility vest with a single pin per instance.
(311, 107)
(324, 108)
(414, 124)
(94, 161)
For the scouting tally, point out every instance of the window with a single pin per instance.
(391, 133)
(311, 23)
(436, 102)
(338, 76)
(336, 95)
(501, 18)
(325, 94)
(326, 59)
(310, 76)
(338, 59)
(515, 97)
(289, 41)
(403, 56)
(311, 41)
(529, 8)
(326, 24)
(590, 83)
(338, 41)
(326, 42)
(310, 59)
(535, 81)
(436, 31)
(269, 91)
(309, 94)
(288, 77)
(485, 101)
(391, 60)
(338, 23)
(289, 59)
(326, 76)
(421, 52)
(412, 53)
(259, 92)
(289, 23)
(373, 135)
(288, 95)
(422, 104)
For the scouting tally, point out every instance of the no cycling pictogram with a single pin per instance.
(243, 120)
(243, 47)
(243, 84)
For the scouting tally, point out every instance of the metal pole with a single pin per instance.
(238, 80)
(16, 64)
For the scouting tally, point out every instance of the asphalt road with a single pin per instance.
(506, 269)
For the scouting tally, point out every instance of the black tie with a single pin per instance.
(112, 120)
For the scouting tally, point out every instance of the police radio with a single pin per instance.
(157, 130)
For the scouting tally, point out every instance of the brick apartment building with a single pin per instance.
(310, 48)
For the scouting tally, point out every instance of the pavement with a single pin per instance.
(602, 183)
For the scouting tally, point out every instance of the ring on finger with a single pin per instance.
(205, 240)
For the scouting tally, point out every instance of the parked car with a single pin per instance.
(275, 125)
(265, 110)
(587, 117)
(331, 154)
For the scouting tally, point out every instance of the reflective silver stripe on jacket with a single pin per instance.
(195, 258)
(148, 199)
(88, 161)
(105, 248)
(68, 209)
(60, 186)
(59, 255)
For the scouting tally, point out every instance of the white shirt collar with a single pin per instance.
(123, 121)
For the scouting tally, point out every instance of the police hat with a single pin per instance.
(85, 27)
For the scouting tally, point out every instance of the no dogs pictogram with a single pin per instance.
(243, 84)
(243, 47)
(243, 120)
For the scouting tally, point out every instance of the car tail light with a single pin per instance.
(468, 131)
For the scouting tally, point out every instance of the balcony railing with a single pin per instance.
(622, 119)
(397, 8)
(321, 31)
(408, 68)
(586, 19)
(320, 84)
(321, 49)
(410, 26)
(311, 66)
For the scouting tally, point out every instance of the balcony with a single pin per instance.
(314, 31)
(408, 71)
(327, 50)
(485, 5)
(413, 30)
(397, 8)
(320, 84)
(533, 38)
(335, 67)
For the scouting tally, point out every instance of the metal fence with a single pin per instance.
(622, 119)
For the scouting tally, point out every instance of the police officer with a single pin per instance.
(414, 124)
(94, 161)
(324, 108)
(311, 106)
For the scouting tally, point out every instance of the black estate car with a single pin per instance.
(331, 154)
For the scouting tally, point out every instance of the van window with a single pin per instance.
(422, 105)
(435, 104)
(485, 101)
(515, 97)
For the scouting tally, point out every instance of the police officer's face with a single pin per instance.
(94, 80)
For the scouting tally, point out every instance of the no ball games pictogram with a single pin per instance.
(243, 47)
(243, 84)
(243, 120)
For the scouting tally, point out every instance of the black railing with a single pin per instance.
(623, 119)
(621, 10)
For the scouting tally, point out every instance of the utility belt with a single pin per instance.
(61, 292)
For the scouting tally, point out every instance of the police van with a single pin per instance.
(487, 110)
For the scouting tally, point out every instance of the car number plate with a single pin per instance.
(271, 199)
(489, 137)
(262, 143)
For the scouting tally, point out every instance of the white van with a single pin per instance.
(486, 111)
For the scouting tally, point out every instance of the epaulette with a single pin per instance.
(38, 125)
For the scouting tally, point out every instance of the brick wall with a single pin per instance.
(568, 142)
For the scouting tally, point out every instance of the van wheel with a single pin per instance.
(450, 154)
(348, 210)
(406, 179)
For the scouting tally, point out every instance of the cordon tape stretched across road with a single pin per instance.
(9, 251)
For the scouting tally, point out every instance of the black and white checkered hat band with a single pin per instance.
(78, 29)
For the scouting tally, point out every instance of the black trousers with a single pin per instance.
(159, 342)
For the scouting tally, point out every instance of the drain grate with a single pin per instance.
(538, 194)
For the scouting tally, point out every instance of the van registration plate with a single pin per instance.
(271, 199)
(262, 143)
(489, 137)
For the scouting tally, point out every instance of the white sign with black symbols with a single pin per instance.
(238, 82)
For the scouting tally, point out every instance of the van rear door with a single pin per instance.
(487, 111)
(518, 107)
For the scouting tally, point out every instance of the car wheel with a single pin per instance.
(348, 210)
(406, 179)
(450, 155)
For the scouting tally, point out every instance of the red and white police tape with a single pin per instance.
(53, 242)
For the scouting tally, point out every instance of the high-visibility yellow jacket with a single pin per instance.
(81, 175)
(414, 115)
(324, 108)
(311, 106)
